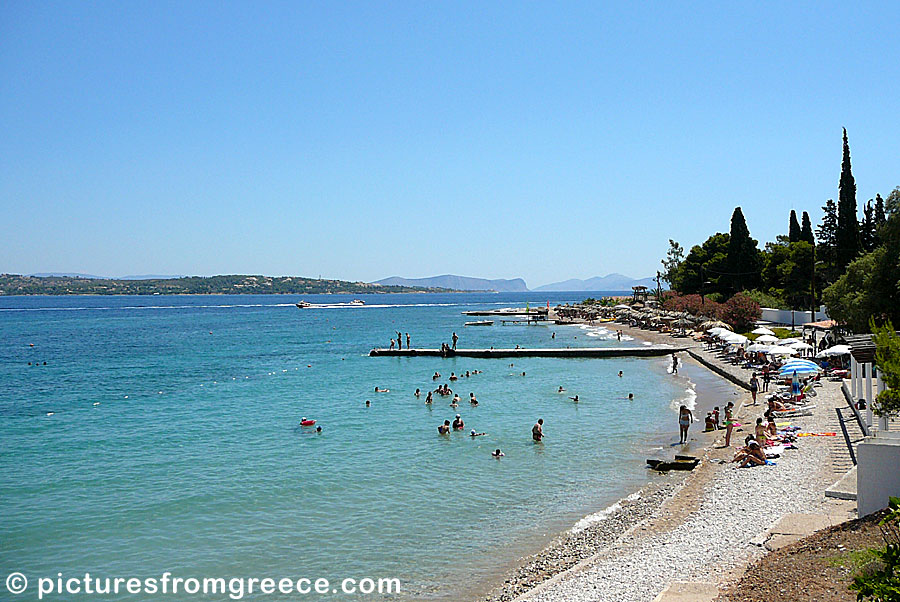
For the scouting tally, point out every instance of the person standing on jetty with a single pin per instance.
(407, 340)
(537, 431)
(455, 338)
(685, 418)
(400, 341)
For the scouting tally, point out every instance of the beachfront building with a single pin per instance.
(878, 455)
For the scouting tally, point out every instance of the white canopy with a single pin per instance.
(766, 338)
(762, 330)
(758, 347)
(800, 346)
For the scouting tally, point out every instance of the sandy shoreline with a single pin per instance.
(684, 527)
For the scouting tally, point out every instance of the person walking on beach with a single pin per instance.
(754, 387)
(766, 377)
(455, 338)
(685, 418)
(537, 431)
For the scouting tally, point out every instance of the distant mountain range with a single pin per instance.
(610, 282)
(459, 283)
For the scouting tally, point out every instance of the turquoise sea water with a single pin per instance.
(193, 461)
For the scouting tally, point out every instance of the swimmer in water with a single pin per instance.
(458, 423)
(620, 374)
(560, 390)
(377, 390)
(368, 403)
(472, 399)
(537, 431)
(575, 399)
(444, 429)
(474, 434)
(318, 429)
(497, 453)
(436, 376)
(453, 376)
(428, 398)
(417, 393)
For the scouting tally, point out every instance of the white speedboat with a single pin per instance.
(303, 304)
(357, 302)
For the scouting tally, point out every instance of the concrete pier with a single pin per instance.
(574, 352)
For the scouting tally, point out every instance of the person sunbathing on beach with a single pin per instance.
(497, 453)
(742, 452)
(771, 427)
(458, 423)
(755, 457)
(775, 405)
(444, 429)
(760, 431)
(710, 423)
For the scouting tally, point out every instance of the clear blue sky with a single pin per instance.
(364, 140)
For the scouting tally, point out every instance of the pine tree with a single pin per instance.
(880, 217)
(867, 228)
(806, 232)
(742, 261)
(826, 233)
(847, 235)
(794, 228)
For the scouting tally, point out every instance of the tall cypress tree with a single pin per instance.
(794, 228)
(847, 236)
(742, 261)
(806, 232)
(880, 217)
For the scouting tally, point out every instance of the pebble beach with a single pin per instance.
(704, 527)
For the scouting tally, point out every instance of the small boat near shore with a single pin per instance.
(480, 323)
(680, 463)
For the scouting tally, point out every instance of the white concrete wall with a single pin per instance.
(878, 472)
(783, 316)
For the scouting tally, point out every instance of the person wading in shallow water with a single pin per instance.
(685, 417)
(537, 431)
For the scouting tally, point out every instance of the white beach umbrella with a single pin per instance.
(800, 346)
(736, 339)
(758, 348)
(621, 306)
(717, 330)
(767, 338)
(834, 351)
(781, 350)
(790, 340)
(762, 330)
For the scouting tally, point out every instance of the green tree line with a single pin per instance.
(851, 263)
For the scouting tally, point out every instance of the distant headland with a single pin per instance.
(14, 284)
